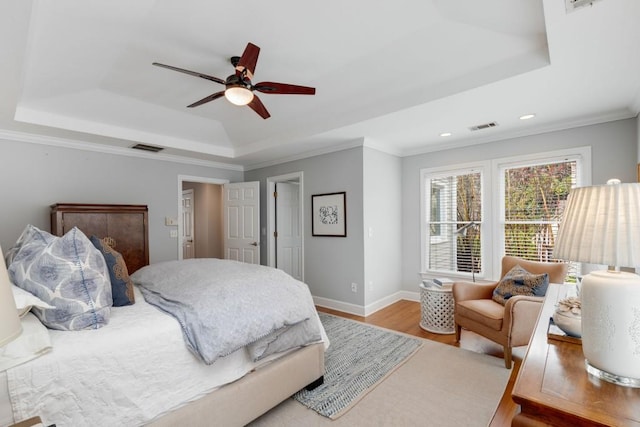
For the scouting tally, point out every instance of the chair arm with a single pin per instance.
(520, 315)
(463, 291)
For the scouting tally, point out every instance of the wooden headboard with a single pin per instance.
(124, 226)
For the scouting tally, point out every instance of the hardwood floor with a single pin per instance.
(404, 316)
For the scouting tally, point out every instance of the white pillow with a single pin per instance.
(34, 341)
(25, 301)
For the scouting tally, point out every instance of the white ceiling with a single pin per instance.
(394, 75)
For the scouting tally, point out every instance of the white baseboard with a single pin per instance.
(359, 310)
(333, 304)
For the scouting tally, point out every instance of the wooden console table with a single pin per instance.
(554, 388)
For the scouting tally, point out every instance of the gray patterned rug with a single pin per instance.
(359, 357)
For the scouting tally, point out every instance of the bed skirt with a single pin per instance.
(242, 401)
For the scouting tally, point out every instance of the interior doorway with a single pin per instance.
(285, 223)
(207, 217)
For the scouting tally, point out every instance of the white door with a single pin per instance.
(242, 222)
(187, 225)
(288, 229)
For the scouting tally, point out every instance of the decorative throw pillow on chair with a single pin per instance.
(519, 281)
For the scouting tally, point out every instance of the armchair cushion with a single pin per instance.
(519, 281)
(484, 311)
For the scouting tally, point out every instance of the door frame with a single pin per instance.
(190, 178)
(271, 215)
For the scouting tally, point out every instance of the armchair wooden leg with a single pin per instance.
(507, 357)
(458, 332)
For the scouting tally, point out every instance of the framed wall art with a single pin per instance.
(329, 214)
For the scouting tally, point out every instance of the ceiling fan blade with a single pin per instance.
(207, 99)
(257, 106)
(284, 88)
(248, 60)
(191, 73)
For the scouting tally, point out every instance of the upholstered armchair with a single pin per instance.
(510, 325)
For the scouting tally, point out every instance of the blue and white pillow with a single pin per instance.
(66, 272)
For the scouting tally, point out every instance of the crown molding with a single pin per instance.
(358, 142)
(107, 149)
(552, 127)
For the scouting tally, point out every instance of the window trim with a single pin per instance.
(425, 208)
(583, 178)
(492, 170)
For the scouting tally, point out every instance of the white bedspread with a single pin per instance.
(33, 342)
(143, 375)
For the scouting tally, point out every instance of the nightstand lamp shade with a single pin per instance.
(10, 327)
(601, 225)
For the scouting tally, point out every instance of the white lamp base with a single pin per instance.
(611, 326)
(616, 379)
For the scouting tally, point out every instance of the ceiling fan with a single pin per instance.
(239, 89)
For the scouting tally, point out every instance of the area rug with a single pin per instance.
(440, 385)
(357, 359)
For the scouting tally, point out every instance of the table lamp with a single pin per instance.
(601, 225)
(10, 327)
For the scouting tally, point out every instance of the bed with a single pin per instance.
(233, 390)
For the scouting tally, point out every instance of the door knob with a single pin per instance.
(254, 243)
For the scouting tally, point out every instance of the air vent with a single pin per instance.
(145, 147)
(572, 5)
(483, 126)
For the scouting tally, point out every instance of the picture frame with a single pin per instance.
(329, 214)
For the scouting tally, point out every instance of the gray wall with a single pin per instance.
(36, 176)
(331, 264)
(614, 150)
(382, 193)
(382, 224)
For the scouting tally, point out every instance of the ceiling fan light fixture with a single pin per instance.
(238, 95)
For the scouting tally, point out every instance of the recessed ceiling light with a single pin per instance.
(527, 116)
(445, 134)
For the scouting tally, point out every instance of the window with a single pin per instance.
(454, 206)
(474, 215)
(436, 209)
(533, 199)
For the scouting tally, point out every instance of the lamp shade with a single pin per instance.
(10, 326)
(601, 225)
